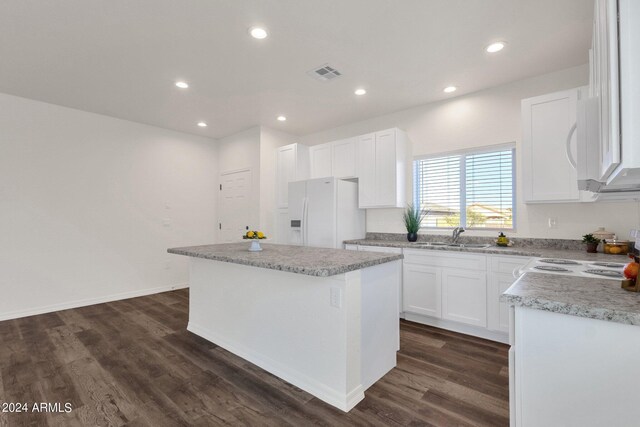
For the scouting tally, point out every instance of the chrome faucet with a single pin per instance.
(456, 233)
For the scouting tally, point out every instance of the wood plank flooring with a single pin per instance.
(132, 363)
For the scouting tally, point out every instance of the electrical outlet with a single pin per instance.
(553, 222)
(166, 222)
(336, 297)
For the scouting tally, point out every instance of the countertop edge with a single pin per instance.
(316, 271)
(578, 310)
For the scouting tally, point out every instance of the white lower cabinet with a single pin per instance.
(422, 289)
(501, 277)
(464, 296)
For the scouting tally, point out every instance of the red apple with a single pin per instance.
(631, 270)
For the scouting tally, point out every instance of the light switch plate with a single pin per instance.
(336, 297)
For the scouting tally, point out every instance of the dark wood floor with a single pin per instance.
(133, 363)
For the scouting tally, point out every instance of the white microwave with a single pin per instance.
(608, 125)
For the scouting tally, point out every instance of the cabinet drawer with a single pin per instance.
(435, 258)
(506, 264)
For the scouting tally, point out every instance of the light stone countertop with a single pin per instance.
(320, 262)
(528, 251)
(593, 298)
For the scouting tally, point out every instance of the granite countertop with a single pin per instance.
(601, 299)
(294, 259)
(528, 251)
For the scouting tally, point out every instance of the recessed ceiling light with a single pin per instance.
(360, 92)
(202, 124)
(495, 47)
(258, 33)
(282, 119)
(450, 89)
(182, 85)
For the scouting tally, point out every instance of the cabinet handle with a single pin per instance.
(569, 155)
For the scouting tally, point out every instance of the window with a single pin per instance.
(472, 190)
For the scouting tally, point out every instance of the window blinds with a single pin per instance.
(473, 190)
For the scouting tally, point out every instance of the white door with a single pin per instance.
(499, 283)
(286, 172)
(343, 158)
(422, 287)
(283, 226)
(464, 296)
(320, 158)
(366, 170)
(386, 178)
(320, 226)
(235, 195)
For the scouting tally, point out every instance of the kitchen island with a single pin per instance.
(574, 348)
(325, 320)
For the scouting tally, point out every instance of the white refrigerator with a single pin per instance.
(324, 212)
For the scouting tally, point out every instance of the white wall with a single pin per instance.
(483, 118)
(270, 140)
(89, 205)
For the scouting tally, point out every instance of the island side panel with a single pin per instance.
(285, 323)
(575, 371)
(380, 320)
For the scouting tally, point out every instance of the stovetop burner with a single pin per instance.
(558, 261)
(607, 273)
(608, 264)
(551, 268)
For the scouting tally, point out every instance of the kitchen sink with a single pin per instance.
(469, 245)
(433, 244)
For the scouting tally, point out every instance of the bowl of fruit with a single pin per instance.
(255, 237)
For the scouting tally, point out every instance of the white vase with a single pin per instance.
(255, 246)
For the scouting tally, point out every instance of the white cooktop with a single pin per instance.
(566, 267)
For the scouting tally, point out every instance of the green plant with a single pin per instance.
(413, 218)
(590, 238)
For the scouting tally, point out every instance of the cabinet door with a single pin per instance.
(464, 296)
(320, 158)
(343, 158)
(286, 172)
(386, 176)
(548, 175)
(366, 170)
(499, 311)
(422, 290)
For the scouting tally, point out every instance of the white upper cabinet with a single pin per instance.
(320, 161)
(337, 158)
(548, 148)
(292, 165)
(343, 158)
(382, 164)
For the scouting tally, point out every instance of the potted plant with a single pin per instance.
(412, 219)
(592, 243)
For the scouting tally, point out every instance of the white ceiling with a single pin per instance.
(121, 58)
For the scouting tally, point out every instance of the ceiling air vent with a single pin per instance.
(324, 73)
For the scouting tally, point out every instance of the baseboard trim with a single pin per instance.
(449, 325)
(90, 301)
(344, 402)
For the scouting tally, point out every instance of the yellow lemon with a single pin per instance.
(250, 234)
(260, 235)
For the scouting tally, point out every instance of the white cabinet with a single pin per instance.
(382, 165)
(343, 158)
(422, 290)
(282, 226)
(446, 285)
(501, 277)
(548, 148)
(292, 165)
(320, 161)
(337, 158)
(464, 296)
